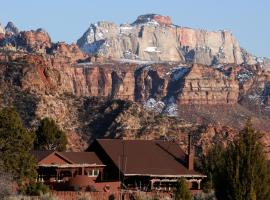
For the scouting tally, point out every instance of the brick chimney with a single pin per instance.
(190, 157)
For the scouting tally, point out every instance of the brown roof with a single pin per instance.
(82, 157)
(73, 157)
(40, 155)
(147, 157)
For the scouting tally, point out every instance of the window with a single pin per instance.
(94, 172)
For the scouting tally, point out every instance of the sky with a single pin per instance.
(67, 20)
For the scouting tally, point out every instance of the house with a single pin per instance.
(72, 171)
(137, 164)
(146, 164)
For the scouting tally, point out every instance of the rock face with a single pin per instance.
(205, 85)
(153, 37)
(153, 18)
(39, 42)
(170, 83)
(34, 41)
(194, 84)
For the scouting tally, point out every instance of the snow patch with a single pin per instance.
(152, 50)
(259, 59)
(153, 105)
(141, 62)
(254, 97)
(149, 67)
(244, 75)
(126, 28)
(100, 35)
(171, 110)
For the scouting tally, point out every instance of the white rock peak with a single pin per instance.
(153, 37)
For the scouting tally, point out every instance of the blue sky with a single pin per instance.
(66, 20)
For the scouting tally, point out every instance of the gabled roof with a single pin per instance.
(147, 157)
(74, 158)
(40, 155)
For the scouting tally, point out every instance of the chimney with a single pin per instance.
(190, 157)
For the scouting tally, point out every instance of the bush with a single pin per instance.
(205, 196)
(182, 192)
(35, 189)
(49, 136)
(5, 185)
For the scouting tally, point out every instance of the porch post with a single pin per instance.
(72, 172)
(82, 171)
(57, 175)
(199, 184)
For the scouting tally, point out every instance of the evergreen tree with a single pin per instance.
(15, 145)
(182, 191)
(212, 165)
(244, 174)
(49, 136)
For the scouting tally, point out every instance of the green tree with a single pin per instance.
(49, 136)
(15, 145)
(182, 191)
(244, 171)
(212, 165)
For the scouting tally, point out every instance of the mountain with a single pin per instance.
(155, 37)
(96, 94)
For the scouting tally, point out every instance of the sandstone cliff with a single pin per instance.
(163, 88)
(154, 37)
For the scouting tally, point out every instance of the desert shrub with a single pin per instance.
(205, 196)
(182, 191)
(34, 189)
(5, 185)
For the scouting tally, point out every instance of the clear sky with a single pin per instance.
(67, 20)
